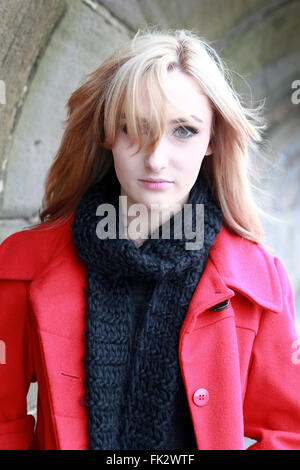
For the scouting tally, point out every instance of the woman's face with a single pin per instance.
(178, 156)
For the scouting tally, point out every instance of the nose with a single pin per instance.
(157, 160)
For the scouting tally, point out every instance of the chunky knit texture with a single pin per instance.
(132, 373)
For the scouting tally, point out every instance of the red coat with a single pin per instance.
(244, 359)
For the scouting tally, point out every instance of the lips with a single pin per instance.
(156, 184)
(152, 180)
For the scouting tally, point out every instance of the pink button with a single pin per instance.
(201, 397)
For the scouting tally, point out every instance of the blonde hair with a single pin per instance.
(95, 109)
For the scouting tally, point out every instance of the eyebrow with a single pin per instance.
(173, 121)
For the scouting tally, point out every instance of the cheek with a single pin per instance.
(118, 159)
(125, 166)
(119, 156)
(189, 168)
(122, 155)
(190, 161)
(118, 163)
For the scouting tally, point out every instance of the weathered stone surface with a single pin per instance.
(24, 30)
(212, 19)
(32, 399)
(10, 226)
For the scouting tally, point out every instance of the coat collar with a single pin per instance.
(247, 267)
(234, 264)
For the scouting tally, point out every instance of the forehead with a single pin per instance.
(186, 94)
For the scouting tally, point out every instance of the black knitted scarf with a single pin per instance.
(132, 375)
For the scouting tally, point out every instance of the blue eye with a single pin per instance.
(187, 132)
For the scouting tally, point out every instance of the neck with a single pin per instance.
(140, 224)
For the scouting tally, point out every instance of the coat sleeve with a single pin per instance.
(16, 366)
(272, 399)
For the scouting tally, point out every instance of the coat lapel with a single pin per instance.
(247, 268)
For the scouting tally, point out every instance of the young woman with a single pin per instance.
(145, 304)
